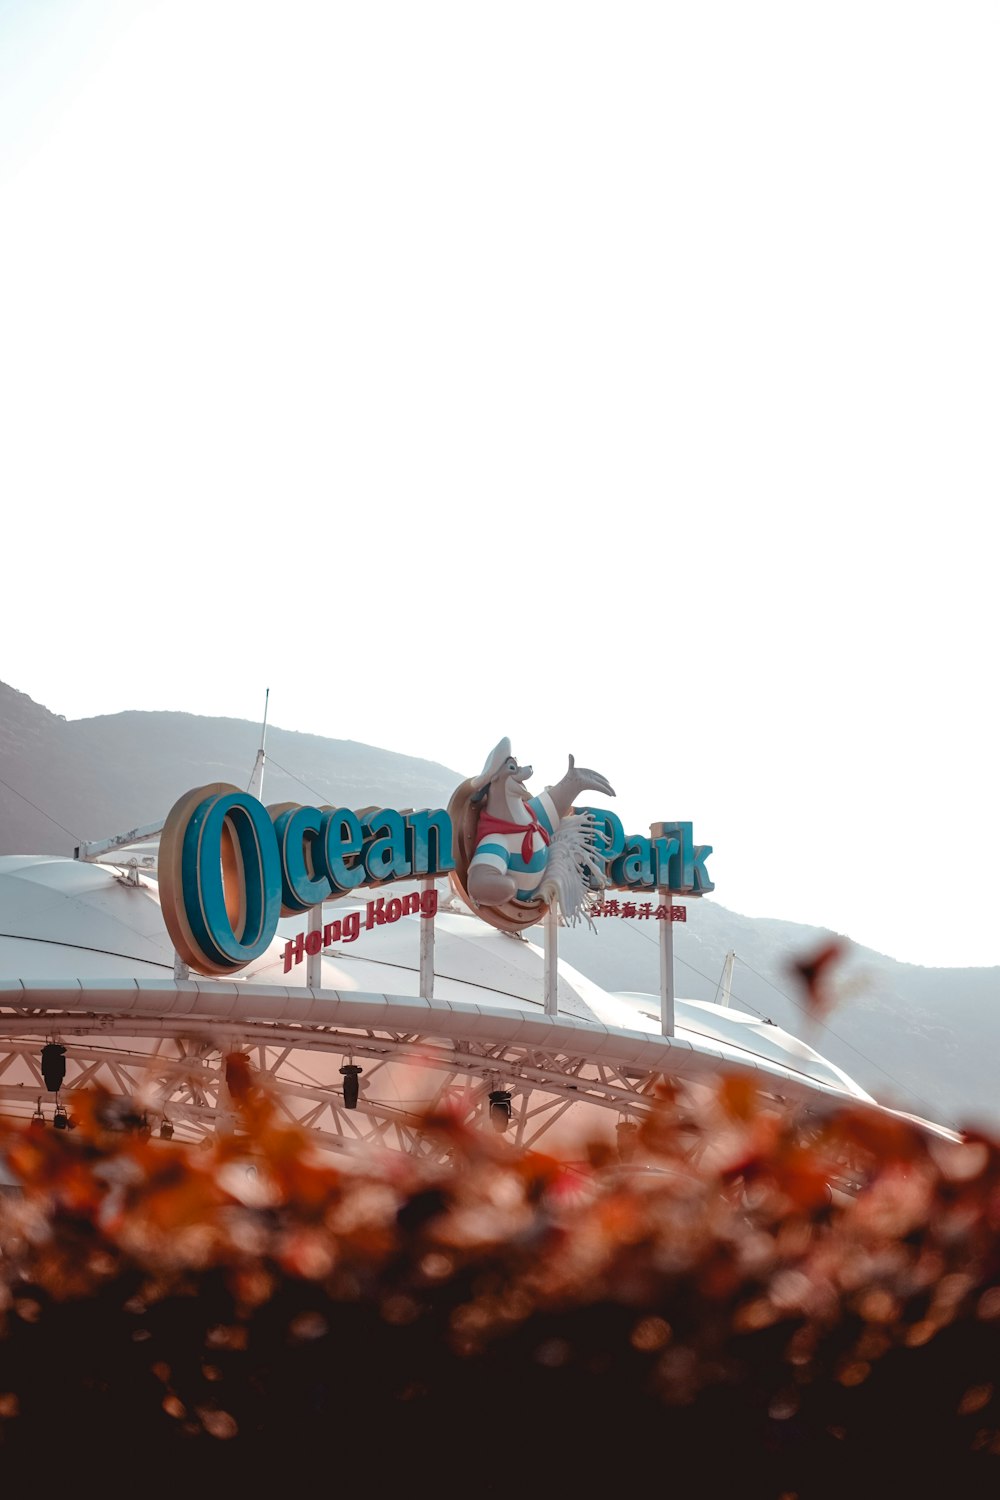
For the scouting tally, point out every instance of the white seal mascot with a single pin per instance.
(516, 854)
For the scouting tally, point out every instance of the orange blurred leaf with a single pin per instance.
(814, 972)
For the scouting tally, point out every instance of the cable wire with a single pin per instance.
(702, 975)
(311, 789)
(77, 836)
(906, 1088)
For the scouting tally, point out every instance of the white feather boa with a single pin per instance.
(571, 858)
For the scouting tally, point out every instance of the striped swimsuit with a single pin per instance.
(505, 851)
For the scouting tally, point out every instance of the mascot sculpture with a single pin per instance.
(516, 855)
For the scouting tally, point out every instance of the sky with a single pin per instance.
(622, 379)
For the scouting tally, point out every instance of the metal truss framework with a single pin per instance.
(174, 1071)
(163, 1047)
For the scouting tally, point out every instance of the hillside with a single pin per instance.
(102, 776)
(922, 1038)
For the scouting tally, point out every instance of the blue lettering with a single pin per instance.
(231, 880)
(297, 829)
(609, 833)
(385, 846)
(341, 839)
(429, 841)
(701, 880)
(634, 867)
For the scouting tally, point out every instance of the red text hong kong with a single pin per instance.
(347, 929)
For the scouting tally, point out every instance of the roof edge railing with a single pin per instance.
(101, 851)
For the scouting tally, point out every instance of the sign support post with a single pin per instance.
(667, 969)
(551, 980)
(427, 948)
(314, 961)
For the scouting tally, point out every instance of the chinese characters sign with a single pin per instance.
(642, 910)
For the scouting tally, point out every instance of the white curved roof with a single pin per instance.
(61, 917)
(741, 1034)
(62, 921)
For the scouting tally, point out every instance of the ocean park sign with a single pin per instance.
(230, 868)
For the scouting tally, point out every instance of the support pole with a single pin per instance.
(225, 1118)
(314, 961)
(666, 970)
(551, 981)
(427, 948)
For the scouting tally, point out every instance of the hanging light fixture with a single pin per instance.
(53, 1066)
(500, 1110)
(166, 1130)
(628, 1139)
(38, 1119)
(349, 1072)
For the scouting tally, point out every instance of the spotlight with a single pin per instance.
(628, 1139)
(500, 1109)
(349, 1072)
(53, 1066)
(166, 1131)
(61, 1119)
(38, 1119)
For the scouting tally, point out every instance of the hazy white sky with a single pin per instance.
(622, 378)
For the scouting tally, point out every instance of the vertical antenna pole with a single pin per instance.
(256, 787)
(727, 977)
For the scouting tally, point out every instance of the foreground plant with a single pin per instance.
(767, 1302)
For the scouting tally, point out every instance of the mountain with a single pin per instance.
(92, 778)
(922, 1039)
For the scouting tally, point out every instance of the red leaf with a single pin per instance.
(813, 973)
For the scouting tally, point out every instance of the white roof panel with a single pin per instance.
(64, 920)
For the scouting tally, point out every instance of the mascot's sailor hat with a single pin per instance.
(495, 762)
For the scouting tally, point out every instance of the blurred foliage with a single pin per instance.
(756, 1301)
